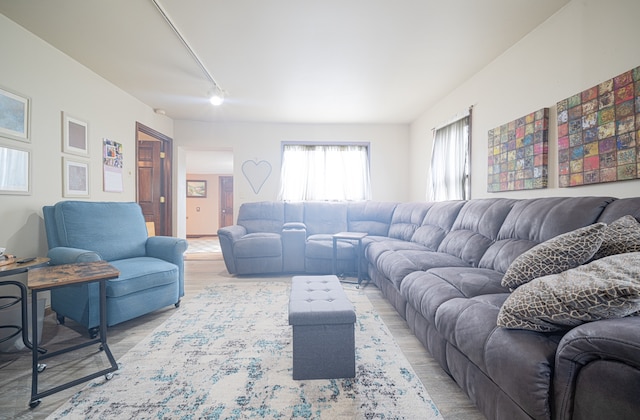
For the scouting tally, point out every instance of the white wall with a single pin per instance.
(56, 83)
(258, 142)
(585, 43)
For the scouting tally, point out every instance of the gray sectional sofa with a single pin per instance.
(442, 266)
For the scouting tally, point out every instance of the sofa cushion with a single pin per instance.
(623, 235)
(325, 217)
(407, 217)
(265, 216)
(370, 216)
(475, 228)
(606, 288)
(558, 254)
(141, 273)
(437, 223)
(533, 221)
(81, 224)
(258, 245)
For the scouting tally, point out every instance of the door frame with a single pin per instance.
(166, 214)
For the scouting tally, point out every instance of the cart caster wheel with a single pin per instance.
(108, 376)
(101, 348)
(41, 367)
(34, 404)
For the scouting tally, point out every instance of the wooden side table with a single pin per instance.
(348, 236)
(47, 278)
(10, 270)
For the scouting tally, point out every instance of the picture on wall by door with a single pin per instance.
(197, 188)
(75, 137)
(112, 166)
(14, 115)
(597, 132)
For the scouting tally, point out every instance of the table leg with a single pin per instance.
(334, 260)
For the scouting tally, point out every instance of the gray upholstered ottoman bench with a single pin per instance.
(323, 328)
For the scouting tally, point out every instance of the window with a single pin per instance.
(451, 162)
(325, 172)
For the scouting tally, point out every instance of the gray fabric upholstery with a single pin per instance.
(440, 265)
(323, 321)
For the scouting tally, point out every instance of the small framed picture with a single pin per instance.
(15, 172)
(75, 178)
(14, 115)
(197, 188)
(75, 135)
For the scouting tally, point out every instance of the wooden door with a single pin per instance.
(154, 178)
(150, 182)
(226, 201)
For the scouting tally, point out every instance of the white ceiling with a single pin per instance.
(286, 61)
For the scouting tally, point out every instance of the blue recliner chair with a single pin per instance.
(151, 268)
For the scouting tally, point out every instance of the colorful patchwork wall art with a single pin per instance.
(518, 153)
(597, 132)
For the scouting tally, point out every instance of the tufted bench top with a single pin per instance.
(317, 300)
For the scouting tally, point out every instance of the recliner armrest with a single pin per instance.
(232, 233)
(65, 255)
(167, 248)
(615, 342)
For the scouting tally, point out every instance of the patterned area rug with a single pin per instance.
(227, 354)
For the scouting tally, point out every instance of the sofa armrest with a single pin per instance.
(232, 233)
(65, 255)
(599, 358)
(294, 238)
(166, 248)
(170, 249)
(227, 236)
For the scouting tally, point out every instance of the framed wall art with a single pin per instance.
(15, 171)
(597, 130)
(112, 163)
(14, 115)
(75, 135)
(197, 188)
(75, 178)
(518, 154)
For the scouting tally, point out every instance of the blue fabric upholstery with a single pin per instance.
(151, 268)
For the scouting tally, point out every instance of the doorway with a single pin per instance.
(154, 162)
(213, 209)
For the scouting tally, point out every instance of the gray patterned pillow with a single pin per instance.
(620, 236)
(556, 255)
(604, 289)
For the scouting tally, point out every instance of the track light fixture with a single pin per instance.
(216, 94)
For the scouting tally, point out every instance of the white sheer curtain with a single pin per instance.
(450, 162)
(325, 172)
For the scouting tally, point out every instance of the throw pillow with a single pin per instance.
(620, 236)
(556, 255)
(604, 289)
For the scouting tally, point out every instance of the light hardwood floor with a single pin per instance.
(15, 368)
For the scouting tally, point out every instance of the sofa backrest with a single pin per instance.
(262, 216)
(372, 217)
(536, 220)
(621, 207)
(437, 223)
(476, 227)
(325, 217)
(115, 230)
(406, 219)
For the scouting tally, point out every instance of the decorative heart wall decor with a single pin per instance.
(256, 173)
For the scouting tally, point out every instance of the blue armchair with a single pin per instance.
(151, 268)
